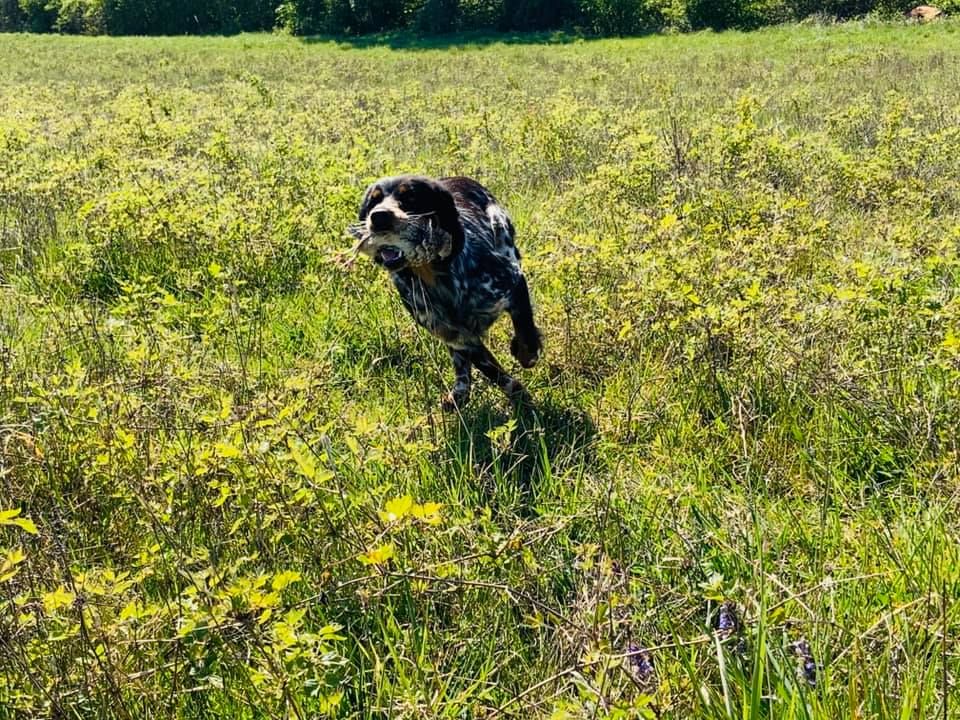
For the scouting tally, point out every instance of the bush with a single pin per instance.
(79, 16)
(37, 15)
(11, 17)
(743, 14)
(847, 9)
(537, 14)
(378, 15)
(438, 16)
(178, 17)
(618, 17)
(301, 17)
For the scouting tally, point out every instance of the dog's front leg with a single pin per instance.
(527, 344)
(460, 393)
(488, 365)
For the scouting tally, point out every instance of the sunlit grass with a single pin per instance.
(237, 494)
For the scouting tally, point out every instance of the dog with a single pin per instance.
(450, 251)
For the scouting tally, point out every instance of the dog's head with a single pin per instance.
(408, 221)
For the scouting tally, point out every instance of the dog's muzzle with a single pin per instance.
(381, 221)
(394, 242)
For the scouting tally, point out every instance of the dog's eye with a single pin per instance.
(376, 195)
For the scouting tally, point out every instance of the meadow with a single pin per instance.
(226, 485)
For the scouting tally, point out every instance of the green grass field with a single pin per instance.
(226, 486)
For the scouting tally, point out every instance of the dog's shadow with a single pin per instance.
(502, 458)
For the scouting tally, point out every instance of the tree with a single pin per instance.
(438, 16)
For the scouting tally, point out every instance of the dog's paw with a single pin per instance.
(527, 351)
(519, 396)
(453, 401)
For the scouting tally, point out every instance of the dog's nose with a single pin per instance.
(381, 220)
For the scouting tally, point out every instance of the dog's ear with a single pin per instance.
(371, 198)
(448, 217)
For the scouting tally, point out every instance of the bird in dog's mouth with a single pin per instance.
(389, 256)
(418, 241)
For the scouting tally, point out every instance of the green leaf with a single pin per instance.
(57, 599)
(396, 509)
(26, 524)
(282, 579)
(378, 556)
(227, 450)
(304, 459)
(11, 517)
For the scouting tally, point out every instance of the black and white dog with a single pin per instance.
(449, 248)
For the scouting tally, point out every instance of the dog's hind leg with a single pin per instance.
(527, 343)
(488, 365)
(460, 393)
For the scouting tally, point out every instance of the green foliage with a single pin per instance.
(438, 16)
(744, 14)
(36, 15)
(424, 17)
(227, 489)
(127, 17)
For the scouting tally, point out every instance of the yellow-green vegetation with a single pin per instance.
(227, 490)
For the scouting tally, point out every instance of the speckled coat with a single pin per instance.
(460, 300)
(450, 250)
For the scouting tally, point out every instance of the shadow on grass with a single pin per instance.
(517, 455)
(407, 40)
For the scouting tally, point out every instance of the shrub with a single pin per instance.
(37, 15)
(11, 16)
(438, 16)
(743, 14)
(348, 17)
(620, 17)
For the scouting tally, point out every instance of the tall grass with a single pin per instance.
(226, 488)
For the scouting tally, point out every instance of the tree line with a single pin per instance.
(353, 17)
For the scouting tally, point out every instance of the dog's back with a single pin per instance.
(479, 208)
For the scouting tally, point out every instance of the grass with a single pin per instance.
(226, 489)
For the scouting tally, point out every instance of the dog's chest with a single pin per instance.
(461, 304)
